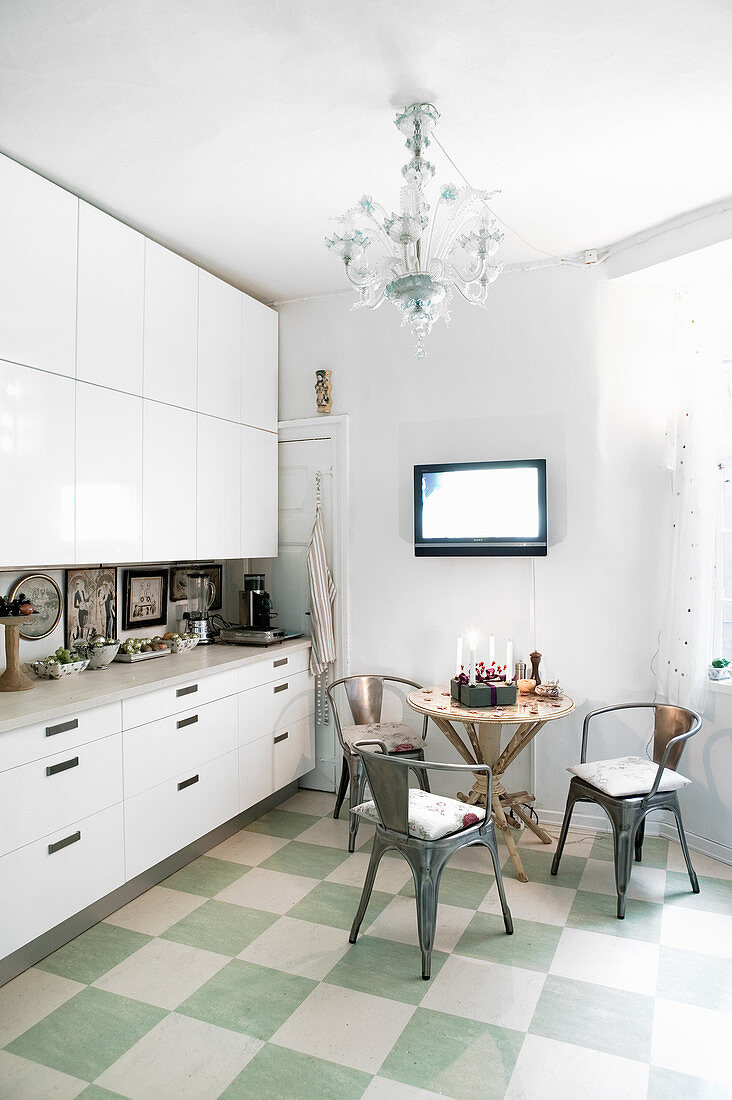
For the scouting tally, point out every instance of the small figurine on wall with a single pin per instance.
(323, 391)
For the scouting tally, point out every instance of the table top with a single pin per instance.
(436, 702)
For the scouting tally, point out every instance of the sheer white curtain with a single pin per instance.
(686, 640)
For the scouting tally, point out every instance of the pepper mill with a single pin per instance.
(535, 659)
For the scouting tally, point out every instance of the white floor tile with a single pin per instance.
(554, 1071)
(317, 803)
(703, 865)
(162, 973)
(532, 901)
(248, 848)
(485, 991)
(382, 1089)
(607, 960)
(344, 1026)
(28, 998)
(577, 843)
(691, 1040)
(334, 834)
(697, 930)
(155, 911)
(390, 877)
(398, 921)
(24, 1080)
(273, 891)
(475, 857)
(646, 883)
(182, 1058)
(298, 947)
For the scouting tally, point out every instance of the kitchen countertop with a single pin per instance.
(84, 690)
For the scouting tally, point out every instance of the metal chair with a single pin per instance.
(396, 819)
(365, 696)
(672, 728)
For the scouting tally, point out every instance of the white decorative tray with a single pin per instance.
(133, 658)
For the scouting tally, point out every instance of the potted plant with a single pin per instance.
(719, 669)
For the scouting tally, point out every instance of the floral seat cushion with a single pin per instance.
(430, 815)
(627, 775)
(397, 736)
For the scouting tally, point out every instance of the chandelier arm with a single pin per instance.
(457, 221)
(359, 281)
(431, 231)
(472, 274)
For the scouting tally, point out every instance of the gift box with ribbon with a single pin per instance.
(493, 693)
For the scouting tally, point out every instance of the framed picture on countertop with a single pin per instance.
(91, 603)
(45, 595)
(145, 598)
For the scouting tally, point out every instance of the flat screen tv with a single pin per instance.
(480, 508)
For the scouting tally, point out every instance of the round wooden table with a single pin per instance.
(482, 745)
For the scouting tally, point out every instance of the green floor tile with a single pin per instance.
(206, 876)
(655, 850)
(244, 997)
(282, 823)
(464, 888)
(93, 953)
(87, 1034)
(334, 904)
(220, 927)
(532, 945)
(703, 980)
(311, 860)
(595, 1016)
(281, 1074)
(385, 969)
(665, 1084)
(715, 894)
(537, 864)
(598, 913)
(459, 1058)
(96, 1092)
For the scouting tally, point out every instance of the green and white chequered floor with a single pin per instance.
(235, 978)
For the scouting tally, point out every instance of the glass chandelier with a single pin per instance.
(413, 259)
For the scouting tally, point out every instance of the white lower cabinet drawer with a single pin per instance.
(273, 706)
(163, 749)
(164, 819)
(294, 752)
(45, 882)
(273, 667)
(48, 794)
(180, 697)
(255, 772)
(19, 746)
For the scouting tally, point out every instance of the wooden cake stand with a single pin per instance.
(14, 679)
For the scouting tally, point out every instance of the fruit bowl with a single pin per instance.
(98, 656)
(182, 642)
(56, 671)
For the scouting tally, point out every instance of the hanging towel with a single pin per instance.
(322, 596)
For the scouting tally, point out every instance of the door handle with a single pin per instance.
(64, 843)
(186, 691)
(280, 687)
(63, 766)
(282, 661)
(281, 737)
(63, 727)
(188, 782)
(187, 721)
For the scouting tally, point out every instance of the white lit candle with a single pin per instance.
(492, 650)
(472, 641)
(459, 657)
(509, 661)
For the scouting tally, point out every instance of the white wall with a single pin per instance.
(522, 379)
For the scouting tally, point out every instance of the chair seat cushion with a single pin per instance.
(627, 775)
(397, 736)
(430, 815)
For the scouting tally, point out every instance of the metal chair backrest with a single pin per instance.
(668, 723)
(365, 697)
(390, 788)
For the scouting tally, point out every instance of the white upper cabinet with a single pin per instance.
(38, 228)
(37, 462)
(219, 347)
(259, 494)
(171, 327)
(219, 489)
(108, 475)
(168, 480)
(259, 365)
(110, 302)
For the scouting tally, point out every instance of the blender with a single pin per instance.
(200, 594)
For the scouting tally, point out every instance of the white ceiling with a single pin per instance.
(232, 130)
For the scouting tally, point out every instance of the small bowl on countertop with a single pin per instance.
(58, 671)
(97, 656)
(180, 645)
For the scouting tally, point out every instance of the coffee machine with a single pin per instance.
(255, 614)
(200, 593)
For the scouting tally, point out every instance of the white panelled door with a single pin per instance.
(287, 575)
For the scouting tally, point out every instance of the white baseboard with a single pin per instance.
(699, 843)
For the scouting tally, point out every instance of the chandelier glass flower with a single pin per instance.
(420, 256)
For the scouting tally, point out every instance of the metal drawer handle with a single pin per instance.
(63, 766)
(64, 843)
(188, 782)
(278, 664)
(187, 721)
(186, 691)
(280, 687)
(62, 728)
(282, 737)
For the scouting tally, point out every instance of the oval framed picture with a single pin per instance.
(45, 595)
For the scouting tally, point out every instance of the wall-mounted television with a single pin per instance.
(480, 508)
